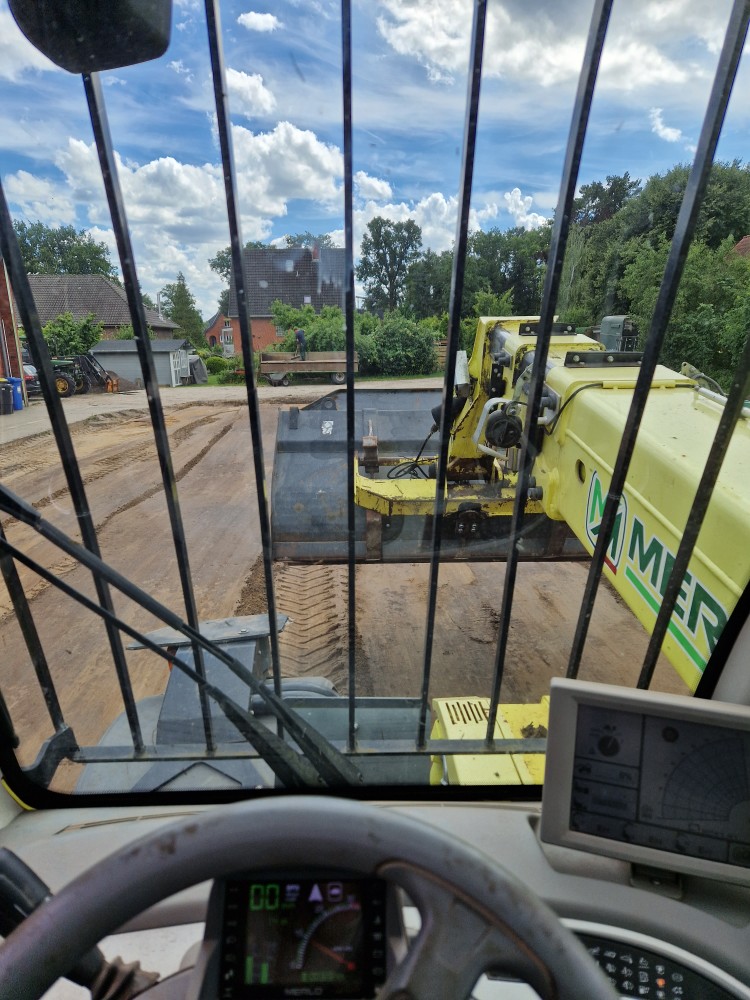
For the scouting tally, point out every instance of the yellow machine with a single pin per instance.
(587, 394)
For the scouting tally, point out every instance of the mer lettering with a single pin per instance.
(649, 566)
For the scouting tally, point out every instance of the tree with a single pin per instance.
(223, 303)
(600, 249)
(388, 249)
(707, 326)
(128, 333)
(510, 260)
(62, 250)
(491, 304)
(67, 336)
(179, 306)
(597, 202)
(428, 284)
(308, 239)
(725, 209)
(222, 262)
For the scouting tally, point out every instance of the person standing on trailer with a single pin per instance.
(301, 346)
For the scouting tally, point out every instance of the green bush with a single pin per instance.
(404, 349)
(394, 345)
(368, 354)
(231, 377)
(215, 365)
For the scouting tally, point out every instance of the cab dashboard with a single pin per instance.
(639, 847)
(653, 933)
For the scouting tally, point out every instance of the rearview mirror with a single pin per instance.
(87, 36)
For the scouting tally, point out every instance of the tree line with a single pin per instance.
(615, 259)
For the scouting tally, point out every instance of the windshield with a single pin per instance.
(362, 371)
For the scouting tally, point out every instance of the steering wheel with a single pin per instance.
(475, 915)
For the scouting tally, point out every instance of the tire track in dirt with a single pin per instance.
(314, 641)
(179, 474)
(135, 453)
(113, 465)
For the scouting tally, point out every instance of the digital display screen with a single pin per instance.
(669, 784)
(317, 937)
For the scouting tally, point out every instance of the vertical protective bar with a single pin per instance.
(41, 357)
(578, 126)
(30, 635)
(94, 96)
(686, 220)
(727, 422)
(454, 332)
(346, 53)
(230, 187)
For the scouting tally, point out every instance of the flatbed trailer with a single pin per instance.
(279, 366)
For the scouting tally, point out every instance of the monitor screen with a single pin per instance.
(658, 779)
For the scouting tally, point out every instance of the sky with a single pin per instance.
(283, 64)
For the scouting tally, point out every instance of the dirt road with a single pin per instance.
(212, 457)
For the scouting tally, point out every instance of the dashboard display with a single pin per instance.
(652, 778)
(668, 784)
(303, 937)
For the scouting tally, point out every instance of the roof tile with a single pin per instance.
(296, 276)
(81, 294)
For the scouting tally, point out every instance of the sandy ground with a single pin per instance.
(211, 454)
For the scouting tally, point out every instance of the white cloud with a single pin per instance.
(17, 55)
(371, 188)
(180, 69)
(283, 164)
(437, 35)
(638, 65)
(518, 206)
(430, 32)
(706, 22)
(177, 211)
(39, 199)
(254, 21)
(435, 215)
(248, 94)
(659, 128)
(546, 45)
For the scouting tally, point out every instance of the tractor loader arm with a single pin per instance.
(585, 402)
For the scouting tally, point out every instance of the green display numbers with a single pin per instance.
(264, 896)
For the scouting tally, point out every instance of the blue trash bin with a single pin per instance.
(17, 393)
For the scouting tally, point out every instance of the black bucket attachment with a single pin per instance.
(309, 497)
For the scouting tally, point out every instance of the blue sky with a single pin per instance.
(283, 64)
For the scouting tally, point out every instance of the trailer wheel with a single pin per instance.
(64, 384)
(338, 378)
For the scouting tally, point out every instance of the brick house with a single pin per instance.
(296, 276)
(10, 350)
(219, 332)
(81, 294)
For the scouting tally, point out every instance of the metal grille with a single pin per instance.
(321, 763)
